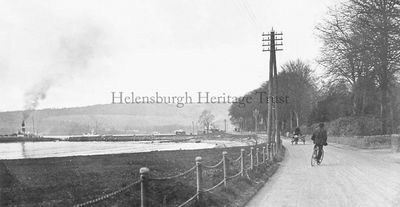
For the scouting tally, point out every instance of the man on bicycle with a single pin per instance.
(297, 131)
(319, 137)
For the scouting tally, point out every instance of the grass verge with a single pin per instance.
(71, 180)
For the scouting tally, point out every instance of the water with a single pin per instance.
(62, 148)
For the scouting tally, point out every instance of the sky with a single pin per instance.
(71, 53)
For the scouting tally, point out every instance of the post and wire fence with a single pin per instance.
(259, 155)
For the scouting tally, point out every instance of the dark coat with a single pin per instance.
(297, 131)
(320, 136)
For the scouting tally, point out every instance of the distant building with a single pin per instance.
(180, 132)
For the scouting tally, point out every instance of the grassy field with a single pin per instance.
(70, 180)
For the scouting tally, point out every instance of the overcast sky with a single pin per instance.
(78, 52)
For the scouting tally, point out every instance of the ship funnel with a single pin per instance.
(23, 126)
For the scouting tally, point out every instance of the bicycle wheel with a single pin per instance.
(313, 156)
(322, 157)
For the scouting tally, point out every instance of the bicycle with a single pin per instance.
(314, 155)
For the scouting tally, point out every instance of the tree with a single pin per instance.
(334, 101)
(361, 44)
(344, 56)
(206, 119)
(379, 22)
(296, 82)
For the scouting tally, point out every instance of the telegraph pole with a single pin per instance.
(277, 119)
(270, 45)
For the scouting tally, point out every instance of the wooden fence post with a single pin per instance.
(251, 158)
(199, 174)
(257, 157)
(144, 172)
(263, 153)
(242, 162)
(225, 165)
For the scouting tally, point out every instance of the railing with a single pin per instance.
(267, 153)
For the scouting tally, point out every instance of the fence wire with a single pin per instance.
(234, 176)
(249, 153)
(189, 200)
(213, 166)
(264, 161)
(174, 176)
(104, 197)
(214, 187)
(237, 159)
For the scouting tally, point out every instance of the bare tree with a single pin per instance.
(379, 22)
(297, 83)
(362, 45)
(206, 119)
(343, 54)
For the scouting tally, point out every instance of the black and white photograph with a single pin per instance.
(200, 103)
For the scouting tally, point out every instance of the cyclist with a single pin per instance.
(320, 137)
(297, 131)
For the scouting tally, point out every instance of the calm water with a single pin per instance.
(63, 149)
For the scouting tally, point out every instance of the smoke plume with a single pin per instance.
(73, 55)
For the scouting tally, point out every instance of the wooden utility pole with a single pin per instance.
(271, 79)
(269, 45)
(277, 119)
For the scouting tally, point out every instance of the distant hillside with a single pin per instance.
(113, 118)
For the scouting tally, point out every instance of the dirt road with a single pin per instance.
(347, 177)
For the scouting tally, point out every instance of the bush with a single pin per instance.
(355, 126)
(349, 126)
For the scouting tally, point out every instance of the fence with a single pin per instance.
(258, 156)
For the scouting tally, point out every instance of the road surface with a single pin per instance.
(346, 177)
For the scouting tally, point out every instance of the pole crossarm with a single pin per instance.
(269, 41)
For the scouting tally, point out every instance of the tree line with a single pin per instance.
(360, 57)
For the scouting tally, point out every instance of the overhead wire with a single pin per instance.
(242, 9)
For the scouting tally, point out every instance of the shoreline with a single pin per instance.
(117, 138)
(68, 148)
